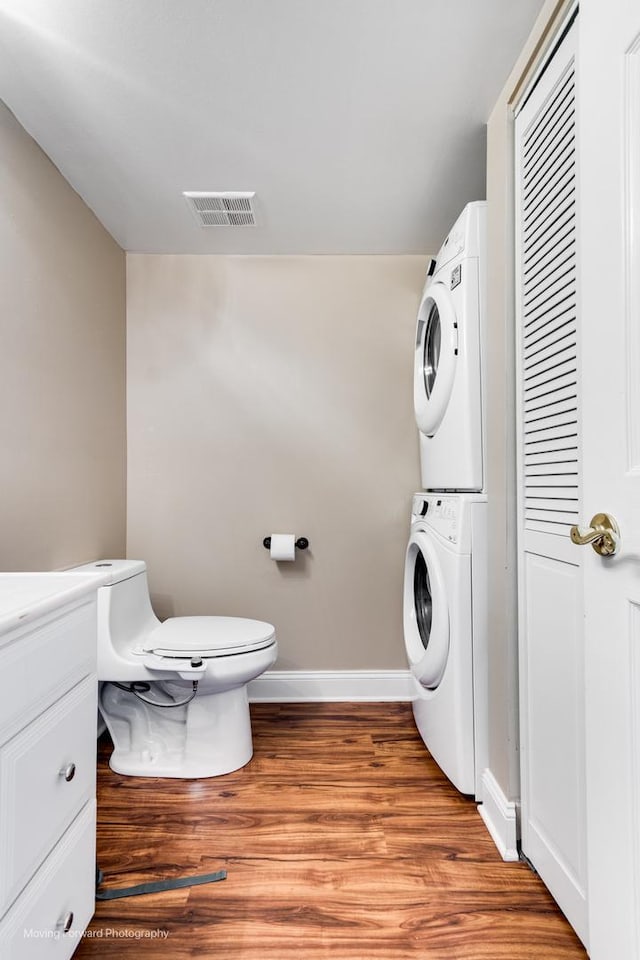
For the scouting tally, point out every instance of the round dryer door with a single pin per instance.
(435, 358)
(426, 612)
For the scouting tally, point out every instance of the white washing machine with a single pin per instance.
(445, 631)
(447, 385)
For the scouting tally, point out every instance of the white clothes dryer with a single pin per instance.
(447, 385)
(445, 632)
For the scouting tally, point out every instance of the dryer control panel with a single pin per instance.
(466, 237)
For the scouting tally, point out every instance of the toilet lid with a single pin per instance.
(183, 637)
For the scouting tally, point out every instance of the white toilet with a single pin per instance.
(175, 697)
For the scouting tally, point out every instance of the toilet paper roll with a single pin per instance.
(283, 546)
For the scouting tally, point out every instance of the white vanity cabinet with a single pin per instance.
(48, 699)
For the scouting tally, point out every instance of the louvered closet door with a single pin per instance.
(550, 575)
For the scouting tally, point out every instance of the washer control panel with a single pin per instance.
(440, 512)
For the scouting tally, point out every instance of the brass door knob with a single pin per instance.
(603, 535)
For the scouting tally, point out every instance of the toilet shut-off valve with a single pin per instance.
(197, 668)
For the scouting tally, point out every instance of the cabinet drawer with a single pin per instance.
(37, 801)
(38, 664)
(64, 886)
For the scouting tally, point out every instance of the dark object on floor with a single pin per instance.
(156, 886)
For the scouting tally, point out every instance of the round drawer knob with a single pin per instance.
(66, 922)
(68, 772)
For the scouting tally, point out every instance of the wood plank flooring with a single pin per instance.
(341, 838)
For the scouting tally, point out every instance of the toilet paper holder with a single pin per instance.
(301, 543)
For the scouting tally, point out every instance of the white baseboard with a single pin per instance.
(291, 686)
(500, 817)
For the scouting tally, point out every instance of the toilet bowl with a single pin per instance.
(174, 694)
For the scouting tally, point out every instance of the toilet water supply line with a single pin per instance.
(138, 687)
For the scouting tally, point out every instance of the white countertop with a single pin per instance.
(26, 596)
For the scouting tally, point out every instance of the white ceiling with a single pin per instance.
(359, 123)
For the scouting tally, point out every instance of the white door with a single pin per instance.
(609, 257)
(551, 641)
(580, 384)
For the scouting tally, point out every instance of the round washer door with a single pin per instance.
(435, 358)
(426, 611)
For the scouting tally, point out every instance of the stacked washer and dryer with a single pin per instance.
(445, 582)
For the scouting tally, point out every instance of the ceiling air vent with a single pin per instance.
(230, 209)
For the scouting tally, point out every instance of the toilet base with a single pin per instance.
(208, 737)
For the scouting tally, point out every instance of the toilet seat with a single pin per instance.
(206, 637)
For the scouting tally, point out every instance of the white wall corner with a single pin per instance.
(500, 817)
(295, 686)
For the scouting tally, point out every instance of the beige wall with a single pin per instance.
(500, 423)
(62, 386)
(275, 394)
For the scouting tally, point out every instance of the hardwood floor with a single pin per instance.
(341, 838)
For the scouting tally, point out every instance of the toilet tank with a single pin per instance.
(125, 614)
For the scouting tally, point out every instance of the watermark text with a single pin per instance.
(100, 933)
